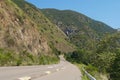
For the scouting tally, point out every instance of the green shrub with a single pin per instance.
(43, 59)
(10, 58)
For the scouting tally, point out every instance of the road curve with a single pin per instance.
(62, 71)
(70, 72)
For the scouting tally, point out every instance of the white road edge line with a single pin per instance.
(25, 78)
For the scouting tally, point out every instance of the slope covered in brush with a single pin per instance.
(81, 29)
(24, 29)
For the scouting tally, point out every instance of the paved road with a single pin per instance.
(62, 71)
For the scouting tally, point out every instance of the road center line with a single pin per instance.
(25, 78)
(48, 72)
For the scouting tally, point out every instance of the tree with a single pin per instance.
(115, 68)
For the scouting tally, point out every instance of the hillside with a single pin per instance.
(108, 55)
(82, 30)
(105, 60)
(24, 29)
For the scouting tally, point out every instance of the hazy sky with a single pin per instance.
(107, 11)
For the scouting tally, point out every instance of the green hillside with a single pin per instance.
(109, 55)
(82, 30)
(104, 60)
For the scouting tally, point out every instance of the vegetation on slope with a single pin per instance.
(111, 43)
(82, 31)
(10, 58)
(106, 58)
(24, 28)
(53, 34)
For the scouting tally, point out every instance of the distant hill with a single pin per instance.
(82, 30)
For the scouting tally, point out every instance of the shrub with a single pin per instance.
(10, 58)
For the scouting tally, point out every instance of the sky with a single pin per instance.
(107, 11)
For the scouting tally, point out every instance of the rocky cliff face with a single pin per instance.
(18, 32)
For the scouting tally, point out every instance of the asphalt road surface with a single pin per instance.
(62, 71)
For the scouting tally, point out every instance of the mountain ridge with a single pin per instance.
(81, 29)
